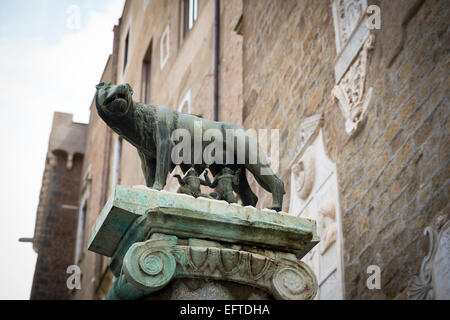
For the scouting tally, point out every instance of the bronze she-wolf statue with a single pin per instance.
(150, 128)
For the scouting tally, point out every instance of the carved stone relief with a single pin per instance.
(327, 225)
(151, 265)
(314, 195)
(353, 45)
(303, 171)
(309, 129)
(350, 91)
(303, 176)
(433, 281)
(348, 13)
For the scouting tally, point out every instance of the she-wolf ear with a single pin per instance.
(129, 88)
(100, 85)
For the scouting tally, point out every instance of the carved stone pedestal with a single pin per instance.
(168, 245)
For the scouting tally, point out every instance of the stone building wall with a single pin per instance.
(388, 179)
(393, 174)
(287, 71)
(56, 221)
(189, 67)
(94, 193)
(230, 64)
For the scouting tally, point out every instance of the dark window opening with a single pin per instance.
(125, 57)
(190, 10)
(146, 72)
(79, 250)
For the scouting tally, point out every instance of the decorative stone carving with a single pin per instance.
(314, 195)
(155, 236)
(353, 44)
(150, 265)
(433, 281)
(303, 176)
(347, 16)
(351, 93)
(303, 171)
(309, 129)
(327, 226)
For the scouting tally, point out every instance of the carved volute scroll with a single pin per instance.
(154, 236)
(433, 281)
(151, 265)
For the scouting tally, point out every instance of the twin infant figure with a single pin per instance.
(224, 182)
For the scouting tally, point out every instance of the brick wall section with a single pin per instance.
(230, 65)
(393, 176)
(56, 246)
(288, 72)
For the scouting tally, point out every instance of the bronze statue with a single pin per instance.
(150, 128)
(191, 183)
(226, 181)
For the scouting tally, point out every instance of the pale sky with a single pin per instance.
(49, 61)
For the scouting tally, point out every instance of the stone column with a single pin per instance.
(173, 246)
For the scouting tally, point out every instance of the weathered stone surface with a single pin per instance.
(185, 216)
(151, 265)
(276, 72)
(198, 289)
(155, 236)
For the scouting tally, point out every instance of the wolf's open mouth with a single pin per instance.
(114, 97)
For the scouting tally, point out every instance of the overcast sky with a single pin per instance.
(50, 60)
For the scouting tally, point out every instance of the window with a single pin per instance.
(185, 105)
(146, 70)
(164, 47)
(190, 9)
(81, 228)
(82, 213)
(125, 55)
(117, 157)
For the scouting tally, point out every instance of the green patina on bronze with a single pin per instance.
(149, 129)
(225, 182)
(191, 182)
(133, 213)
(154, 236)
(151, 265)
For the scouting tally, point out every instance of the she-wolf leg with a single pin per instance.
(148, 168)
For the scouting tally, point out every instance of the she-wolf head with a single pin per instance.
(112, 99)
